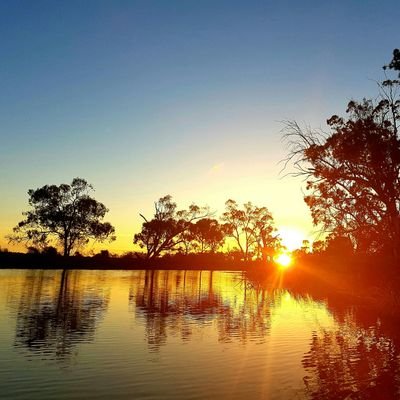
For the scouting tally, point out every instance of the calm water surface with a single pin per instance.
(185, 335)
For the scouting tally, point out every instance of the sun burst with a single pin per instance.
(284, 260)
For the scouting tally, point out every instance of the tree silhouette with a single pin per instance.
(208, 234)
(251, 227)
(168, 228)
(65, 214)
(180, 302)
(353, 171)
(319, 246)
(395, 63)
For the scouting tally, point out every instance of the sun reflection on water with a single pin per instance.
(274, 340)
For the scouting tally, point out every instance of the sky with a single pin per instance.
(148, 98)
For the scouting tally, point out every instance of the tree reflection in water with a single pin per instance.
(169, 300)
(57, 310)
(347, 351)
(178, 302)
(353, 363)
(352, 358)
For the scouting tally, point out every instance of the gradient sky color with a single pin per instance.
(147, 98)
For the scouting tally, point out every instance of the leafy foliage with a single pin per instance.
(193, 231)
(251, 227)
(352, 172)
(395, 63)
(168, 229)
(65, 214)
(208, 235)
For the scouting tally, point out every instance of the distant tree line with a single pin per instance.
(353, 192)
(67, 217)
(196, 231)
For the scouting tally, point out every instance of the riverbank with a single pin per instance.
(213, 262)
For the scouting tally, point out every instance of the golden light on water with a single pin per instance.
(283, 260)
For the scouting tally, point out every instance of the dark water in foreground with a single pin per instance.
(184, 335)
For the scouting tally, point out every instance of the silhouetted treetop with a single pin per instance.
(251, 227)
(352, 171)
(66, 214)
(207, 234)
(193, 231)
(395, 63)
(168, 228)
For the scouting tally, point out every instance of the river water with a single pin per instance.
(186, 335)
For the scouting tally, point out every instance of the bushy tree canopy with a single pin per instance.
(353, 171)
(251, 227)
(168, 228)
(207, 234)
(66, 214)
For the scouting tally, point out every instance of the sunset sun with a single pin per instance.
(283, 260)
(199, 199)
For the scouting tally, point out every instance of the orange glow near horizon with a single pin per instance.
(291, 238)
(284, 260)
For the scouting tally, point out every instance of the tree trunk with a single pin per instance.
(394, 229)
(66, 248)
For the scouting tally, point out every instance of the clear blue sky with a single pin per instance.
(145, 98)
